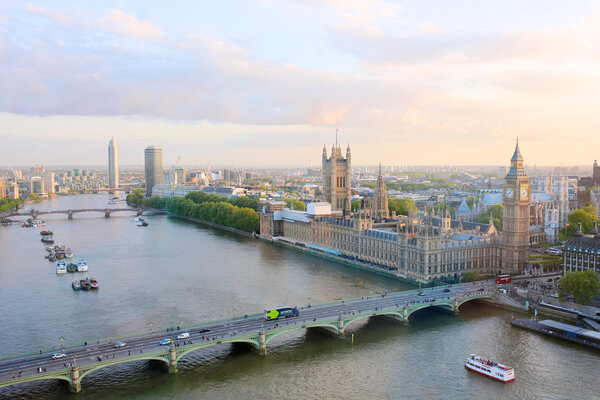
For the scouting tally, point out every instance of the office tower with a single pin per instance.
(153, 161)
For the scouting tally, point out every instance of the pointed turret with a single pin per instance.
(324, 153)
(517, 155)
(348, 152)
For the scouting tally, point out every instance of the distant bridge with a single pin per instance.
(107, 212)
(253, 330)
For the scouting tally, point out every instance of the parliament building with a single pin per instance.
(417, 247)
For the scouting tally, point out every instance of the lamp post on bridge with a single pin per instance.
(150, 326)
(61, 342)
(308, 298)
(234, 310)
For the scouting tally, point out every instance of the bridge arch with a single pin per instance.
(86, 371)
(360, 317)
(443, 306)
(40, 377)
(329, 326)
(467, 299)
(252, 342)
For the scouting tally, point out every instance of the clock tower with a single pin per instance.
(516, 199)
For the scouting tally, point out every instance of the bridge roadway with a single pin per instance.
(252, 329)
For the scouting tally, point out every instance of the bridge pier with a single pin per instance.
(341, 333)
(75, 385)
(106, 213)
(262, 344)
(456, 311)
(70, 214)
(405, 315)
(173, 361)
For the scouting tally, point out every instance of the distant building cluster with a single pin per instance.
(77, 180)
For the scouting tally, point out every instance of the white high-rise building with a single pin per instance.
(113, 164)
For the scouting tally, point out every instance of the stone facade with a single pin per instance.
(419, 248)
(336, 175)
(516, 199)
(380, 200)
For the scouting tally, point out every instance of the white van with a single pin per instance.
(183, 335)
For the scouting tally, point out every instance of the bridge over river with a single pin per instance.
(253, 330)
(107, 212)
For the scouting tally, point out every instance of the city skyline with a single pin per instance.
(403, 82)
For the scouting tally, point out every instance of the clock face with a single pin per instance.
(524, 193)
(509, 193)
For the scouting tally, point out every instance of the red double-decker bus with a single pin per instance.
(505, 278)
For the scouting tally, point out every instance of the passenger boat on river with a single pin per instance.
(490, 368)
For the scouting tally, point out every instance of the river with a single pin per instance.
(175, 272)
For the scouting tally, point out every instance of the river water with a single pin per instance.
(175, 272)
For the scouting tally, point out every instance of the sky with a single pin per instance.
(268, 82)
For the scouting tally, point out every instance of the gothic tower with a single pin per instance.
(516, 200)
(596, 173)
(336, 174)
(380, 199)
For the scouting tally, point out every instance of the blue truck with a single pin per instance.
(285, 312)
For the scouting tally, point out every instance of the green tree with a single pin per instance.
(497, 211)
(134, 199)
(586, 216)
(33, 196)
(401, 206)
(584, 285)
(470, 275)
(298, 205)
(355, 205)
(470, 201)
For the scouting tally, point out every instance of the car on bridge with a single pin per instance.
(421, 293)
(446, 290)
(166, 341)
(184, 335)
(58, 356)
(120, 344)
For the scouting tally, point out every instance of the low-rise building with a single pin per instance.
(582, 252)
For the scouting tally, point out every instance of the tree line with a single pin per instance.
(239, 213)
(7, 204)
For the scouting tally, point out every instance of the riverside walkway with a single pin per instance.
(254, 330)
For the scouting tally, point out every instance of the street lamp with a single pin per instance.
(234, 313)
(61, 342)
(308, 298)
(150, 326)
(74, 361)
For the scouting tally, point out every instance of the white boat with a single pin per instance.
(69, 253)
(490, 368)
(82, 266)
(61, 267)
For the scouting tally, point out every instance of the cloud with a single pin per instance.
(406, 82)
(129, 26)
(115, 22)
(427, 27)
(53, 15)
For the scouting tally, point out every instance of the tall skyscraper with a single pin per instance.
(113, 164)
(337, 172)
(153, 161)
(516, 199)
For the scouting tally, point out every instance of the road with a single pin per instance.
(101, 351)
